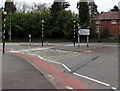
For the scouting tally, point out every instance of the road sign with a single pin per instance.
(84, 32)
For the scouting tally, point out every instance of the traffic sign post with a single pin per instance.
(29, 39)
(78, 40)
(87, 41)
(85, 32)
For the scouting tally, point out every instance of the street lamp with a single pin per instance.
(3, 33)
(42, 31)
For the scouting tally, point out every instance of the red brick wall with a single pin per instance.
(106, 25)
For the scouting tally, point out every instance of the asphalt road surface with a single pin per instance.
(97, 69)
(99, 65)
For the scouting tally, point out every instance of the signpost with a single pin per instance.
(85, 32)
(29, 39)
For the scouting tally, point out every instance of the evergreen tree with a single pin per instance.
(58, 6)
(115, 8)
(65, 5)
(93, 9)
(10, 7)
(83, 13)
(57, 14)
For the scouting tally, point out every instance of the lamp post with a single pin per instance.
(3, 33)
(42, 31)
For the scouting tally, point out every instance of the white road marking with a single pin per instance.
(75, 52)
(97, 81)
(15, 51)
(51, 77)
(33, 49)
(66, 67)
(114, 88)
(59, 50)
(48, 60)
(68, 87)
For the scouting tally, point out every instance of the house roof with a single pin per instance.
(108, 16)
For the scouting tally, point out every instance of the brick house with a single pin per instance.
(106, 21)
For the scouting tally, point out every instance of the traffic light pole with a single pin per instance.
(3, 35)
(78, 40)
(74, 35)
(42, 34)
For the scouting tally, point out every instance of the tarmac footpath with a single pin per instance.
(17, 73)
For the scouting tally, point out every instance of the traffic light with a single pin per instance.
(74, 22)
(4, 14)
(42, 21)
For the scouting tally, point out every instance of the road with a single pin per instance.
(97, 69)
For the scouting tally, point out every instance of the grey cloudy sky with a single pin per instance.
(103, 5)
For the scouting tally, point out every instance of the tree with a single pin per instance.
(115, 8)
(27, 8)
(93, 9)
(57, 18)
(38, 7)
(10, 7)
(65, 5)
(57, 6)
(83, 13)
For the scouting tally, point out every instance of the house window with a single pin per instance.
(98, 22)
(114, 22)
(98, 29)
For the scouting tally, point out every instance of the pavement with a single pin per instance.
(17, 73)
